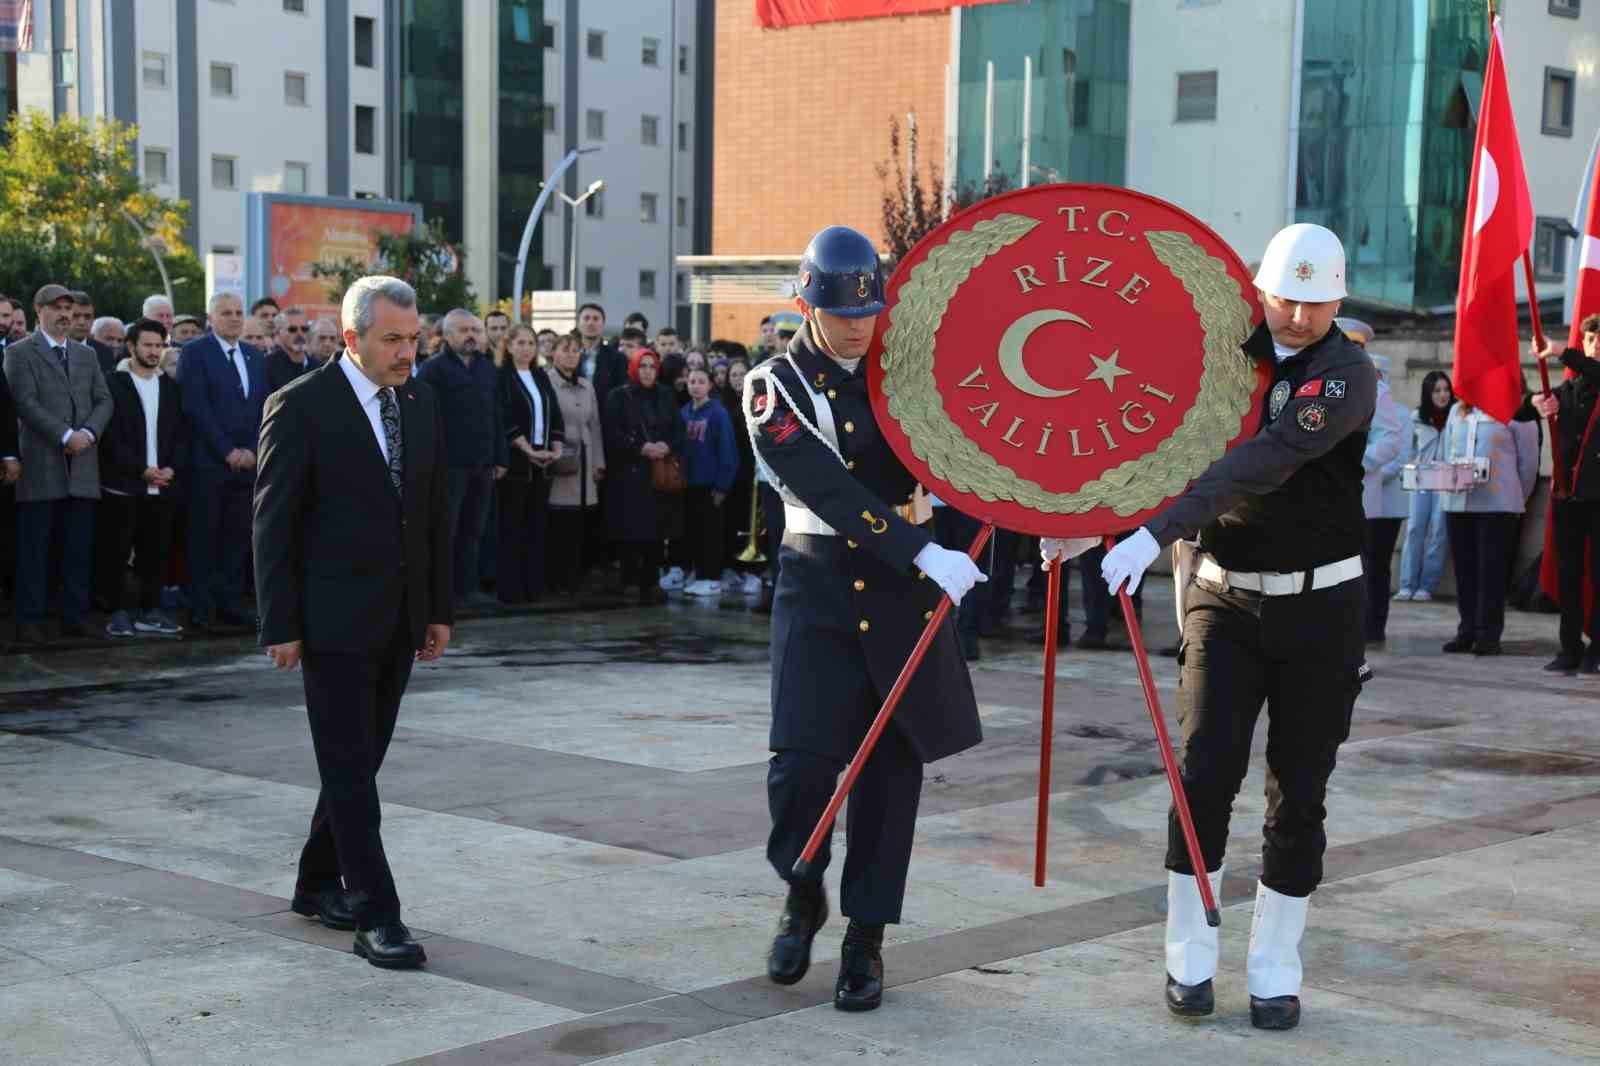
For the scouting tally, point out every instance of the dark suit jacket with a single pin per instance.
(340, 560)
(516, 411)
(221, 416)
(281, 369)
(122, 451)
(610, 372)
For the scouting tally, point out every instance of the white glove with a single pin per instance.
(955, 572)
(1129, 560)
(1065, 548)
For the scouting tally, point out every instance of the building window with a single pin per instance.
(522, 24)
(647, 284)
(548, 37)
(221, 79)
(223, 169)
(155, 166)
(224, 249)
(366, 42)
(155, 70)
(650, 52)
(1566, 8)
(295, 176)
(683, 136)
(297, 7)
(550, 118)
(683, 59)
(1558, 87)
(682, 284)
(294, 89)
(597, 44)
(647, 207)
(682, 211)
(649, 127)
(366, 130)
(1197, 96)
(593, 277)
(1550, 249)
(594, 124)
(595, 206)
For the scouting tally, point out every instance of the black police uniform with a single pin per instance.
(1287, 500)
(848, 611)
(1577, 513)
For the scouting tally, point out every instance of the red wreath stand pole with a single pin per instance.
(825, 824)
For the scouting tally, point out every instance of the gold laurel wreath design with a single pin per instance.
(1226, 384)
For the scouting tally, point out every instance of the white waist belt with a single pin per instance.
(797, 519)
(1273, 584)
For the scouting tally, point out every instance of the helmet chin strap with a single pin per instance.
(821, 337)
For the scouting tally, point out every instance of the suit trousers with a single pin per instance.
(219, 542)
(1481, 545)
(68, 524)
(352, 702)
(1297, 655)
(143, 524)
(520, 537)
(1377, 561)
(471, 489)
(880, 822)
(1576, 534)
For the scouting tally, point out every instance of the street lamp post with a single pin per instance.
(533, 220)
(572, 254)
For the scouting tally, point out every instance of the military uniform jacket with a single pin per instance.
(1289, 498)
(849, 608)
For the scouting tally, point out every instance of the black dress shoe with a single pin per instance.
(1458, 646)
(390, 947)
(328, 905)
(1190, 1001)
(1563, 664)
(1279, 1012)
(804, 912)
(1589, 665)
(1486, 647)
(1093, 640)
(860, 984)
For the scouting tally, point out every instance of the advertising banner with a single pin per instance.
(290, 233)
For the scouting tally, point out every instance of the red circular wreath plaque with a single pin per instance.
(1063, 360)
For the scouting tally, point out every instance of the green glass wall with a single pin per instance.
(1079, 106)
(521, 142)
(431, 166)
(1389, 89)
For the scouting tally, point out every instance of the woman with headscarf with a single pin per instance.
(534, 430)
(576, 476)
(643, 426)
(1422, 558)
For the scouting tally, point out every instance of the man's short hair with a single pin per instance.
(546, 331)
(766, 320)
(592, 307)
(94, 327)
(666, 331)
(146, 325)
(265, 301)
(632, 334)
(154, 301)
(216, 301)
(81, 298)
(281, 319)
(356, 311)
(637, 316)
(1590, 324)
(497, 313)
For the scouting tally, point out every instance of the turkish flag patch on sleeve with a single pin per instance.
(1310, 388)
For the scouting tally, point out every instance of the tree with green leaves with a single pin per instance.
(73, 210)
(426, 261)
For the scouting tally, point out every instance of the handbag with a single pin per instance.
(667, 476)
(569, 463)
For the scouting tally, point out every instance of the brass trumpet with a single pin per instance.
(752, 552)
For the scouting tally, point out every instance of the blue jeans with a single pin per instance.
(1422, 560)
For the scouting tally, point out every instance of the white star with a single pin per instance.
(1106, 370)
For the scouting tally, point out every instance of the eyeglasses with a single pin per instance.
(294, 329)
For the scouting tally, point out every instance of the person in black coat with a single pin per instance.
(354, 576)
(533, 428)
(642, 424)
(138, 468)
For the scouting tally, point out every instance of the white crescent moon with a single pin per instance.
(1011, 363)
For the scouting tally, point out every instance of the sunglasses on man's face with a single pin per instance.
(294, 329)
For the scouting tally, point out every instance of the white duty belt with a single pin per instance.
(797, 519)
(1280, 584)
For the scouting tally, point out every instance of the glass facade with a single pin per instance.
(521, 142)
(1389, 96)
(1078, 111)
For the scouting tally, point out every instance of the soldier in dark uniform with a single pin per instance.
(860, 578)
(1272, 615)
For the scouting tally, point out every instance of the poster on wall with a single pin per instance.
(776, 14)
(287, 234)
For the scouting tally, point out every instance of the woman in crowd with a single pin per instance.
(1481, 523)
(534, 429)
(1422, 558)
(576, 476)
(719, 376)
(643, 428)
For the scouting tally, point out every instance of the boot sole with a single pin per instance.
(317, 916)
(390, 964)
(855, 1006)
(1191, 1012)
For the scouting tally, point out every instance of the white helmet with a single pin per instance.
(1305, 263)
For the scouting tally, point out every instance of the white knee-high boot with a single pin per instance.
(1273, 964)
(1191, 943)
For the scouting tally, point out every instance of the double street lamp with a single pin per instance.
(548, 186)
(575, 203)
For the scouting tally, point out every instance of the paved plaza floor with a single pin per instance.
(575, 812)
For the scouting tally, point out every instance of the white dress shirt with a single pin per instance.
(367, 397)
(537, 437)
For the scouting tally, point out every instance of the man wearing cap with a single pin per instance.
(860, 579)
(1273, 615)
(1383, 500)
(63, 406)
(779, 330)
(186, 328)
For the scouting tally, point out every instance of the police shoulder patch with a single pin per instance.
(1279, 397)
(1313, 418)
(1334, 389)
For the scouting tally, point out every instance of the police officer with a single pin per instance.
(860, 578)
(1272, 615)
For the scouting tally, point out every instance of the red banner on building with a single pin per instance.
(777, 14)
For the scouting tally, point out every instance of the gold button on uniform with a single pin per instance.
(850, 464)
(849, 427)
(832, 394)
(849, 544)
(927, 616)
(922, 575)
(865, 625)
(860, 586)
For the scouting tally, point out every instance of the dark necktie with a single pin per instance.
(389, 412)
(61, 356)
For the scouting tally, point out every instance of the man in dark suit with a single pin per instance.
(288, 358)
(224, 385)
(62, 403)
(354, 572)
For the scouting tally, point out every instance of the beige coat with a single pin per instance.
(580, 412)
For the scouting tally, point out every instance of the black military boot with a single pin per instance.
(1279, 1012)
(1190, 1001)
(804, 912)
(860, 984)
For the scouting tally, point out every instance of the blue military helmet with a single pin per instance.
(840, 274)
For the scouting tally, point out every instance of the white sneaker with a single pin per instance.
(703, 588)
(752, 584)
(1422, 596)
(672, 580)
(732, 582)
(1402, 596)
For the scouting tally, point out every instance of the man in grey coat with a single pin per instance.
(63, 406)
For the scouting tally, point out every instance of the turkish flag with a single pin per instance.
(777, 14)
(1586, 298)
(1488, 365)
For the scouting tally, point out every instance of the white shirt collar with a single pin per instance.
(366, 391)
(1283, 351)
(51, 341)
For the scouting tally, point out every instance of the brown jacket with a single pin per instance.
(580, 414)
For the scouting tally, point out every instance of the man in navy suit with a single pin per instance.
(224, 387)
